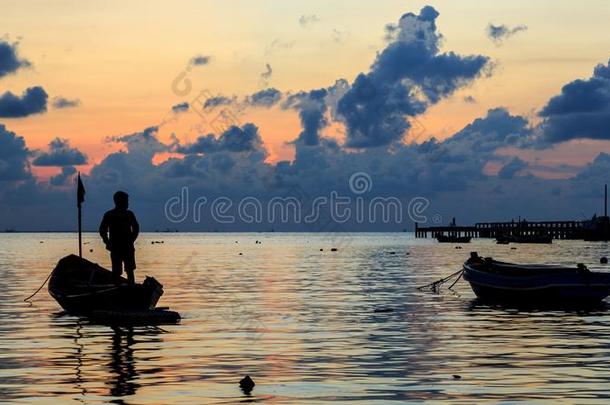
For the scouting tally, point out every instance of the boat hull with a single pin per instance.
(81, 287)
(536, 285)
(453, 239)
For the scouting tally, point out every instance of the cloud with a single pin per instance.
(62, 102)
(234, 139)
(312, 113)
(265, 98)
(181, 107)
(496, 130)
(32, 101)
(581, 110)
(200, 60)
(408, 76)
(217, 101)
(512, 168)
(470, 100)
(266, 75)
(142, 146)
(67, 173)
(306, 21)
(339, 36)
(499, 33)
(10, 61)
(278, 44)
(13, 156)
(60, 153)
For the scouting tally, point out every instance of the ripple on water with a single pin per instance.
(308, 326)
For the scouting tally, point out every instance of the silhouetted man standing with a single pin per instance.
(119, 230)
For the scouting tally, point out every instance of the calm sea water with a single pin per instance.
(304, 324)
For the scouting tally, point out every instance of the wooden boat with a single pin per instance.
(82, 287)
(535, 285)
(453, 239)
(506, 239)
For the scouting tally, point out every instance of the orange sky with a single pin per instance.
(120, 59)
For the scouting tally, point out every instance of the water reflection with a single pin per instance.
(122, 368)
(318, 336)
(107, 361)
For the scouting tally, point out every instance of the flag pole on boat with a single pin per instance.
(80, 198)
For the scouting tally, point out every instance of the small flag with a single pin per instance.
(80, 191)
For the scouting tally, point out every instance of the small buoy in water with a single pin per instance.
(247, 384)
(90, 250)
(236, 242)
(382, 310)
(513, 248)
(321, 250)
(392, 253)
(603, 260)
(41, 241)
(457, 376)
(240, 253)
(333, 249)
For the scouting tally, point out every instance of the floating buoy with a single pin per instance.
(457, 376)
(321, 250)
(382, 310)
(333, 249)
(603, 260)
(247, 384)
(240, 253)
(90, 250)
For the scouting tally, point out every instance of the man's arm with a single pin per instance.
(104, 229)
(135, 227)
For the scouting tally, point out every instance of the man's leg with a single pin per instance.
(117, 266)
(130, 265)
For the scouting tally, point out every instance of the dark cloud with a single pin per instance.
(181, 107)
(499, 33)
(64, 177)
(581, 110)
(60, 153)
(407, 77)
(217, 101)
(142, 146)
(266, 75)
(234, 139)
(10, 61)
(62, 102)
(200, 60)
(13, 156)
(32, 101)
(307, 21)
(470, 100)
(312, 110)
(265, 98)
(497, 129)
(512, 168)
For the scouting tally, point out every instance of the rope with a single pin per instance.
(434, 286)
(39, 288)
(456, 280)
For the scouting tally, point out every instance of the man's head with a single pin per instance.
(121, 200)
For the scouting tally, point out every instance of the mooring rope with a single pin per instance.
(39, 288)
(434, 286)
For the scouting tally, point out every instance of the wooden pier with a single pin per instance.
(557, 229)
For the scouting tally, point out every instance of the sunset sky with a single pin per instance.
(112, 68)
